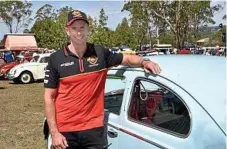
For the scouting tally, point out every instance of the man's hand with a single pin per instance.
(150, 66)
(134, 60)
(59, 141)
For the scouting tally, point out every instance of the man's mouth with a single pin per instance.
(79, 37)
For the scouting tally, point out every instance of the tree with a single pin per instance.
(45, 12)
(50, 30)
(182, 18)
(100, 33)
(103, 18)
(139, 23)
(26, 31)
(15, 14)
(123, 34)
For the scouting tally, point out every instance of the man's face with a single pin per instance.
(78, 32)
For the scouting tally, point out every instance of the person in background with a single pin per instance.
(8, 56)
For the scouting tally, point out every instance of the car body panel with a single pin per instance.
(187, 68)
(6, 67)
(187, 77)
(35, 68)
(155, 138)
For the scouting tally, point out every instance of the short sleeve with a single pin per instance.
(112, 59)
(51, 75)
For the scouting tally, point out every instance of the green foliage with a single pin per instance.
(15, 14)
(50, 29)
(45, 12)
(182, 18)
(172, 22)
(124, 35)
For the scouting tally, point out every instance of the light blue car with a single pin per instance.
(182, 108)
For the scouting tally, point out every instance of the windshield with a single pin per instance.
(18, 59)
(35, 59)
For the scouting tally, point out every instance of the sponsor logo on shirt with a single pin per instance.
(93, 61)
(67, 64)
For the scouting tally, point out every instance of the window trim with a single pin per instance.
(120, 78)
(154, 126)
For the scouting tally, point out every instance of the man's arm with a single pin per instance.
(51, 84)
(134, 60)
(58, 140)
(49, 107)
(114, 59)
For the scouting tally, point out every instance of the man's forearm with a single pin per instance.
(50, 115)
(132, 60)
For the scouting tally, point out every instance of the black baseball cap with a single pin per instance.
(76, 15)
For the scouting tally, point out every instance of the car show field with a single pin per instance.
(21, 115)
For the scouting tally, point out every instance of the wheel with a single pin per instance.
(49, 142)
(26, 78)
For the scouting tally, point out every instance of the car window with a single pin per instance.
(35, 59)
(44, 60)
(158, 107)
(114, 90)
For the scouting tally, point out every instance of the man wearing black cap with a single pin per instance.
(74, 87)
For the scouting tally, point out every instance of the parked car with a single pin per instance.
(173, 110)
(2, 61)
(29, 72)
(5, 68)
(184, 51)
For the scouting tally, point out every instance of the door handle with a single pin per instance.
(112, 133)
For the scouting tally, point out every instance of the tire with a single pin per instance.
(49, 142)
(26, 78)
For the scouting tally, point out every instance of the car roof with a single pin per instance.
(204, 77)
(44, 54)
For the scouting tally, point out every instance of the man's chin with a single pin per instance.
(80, 42)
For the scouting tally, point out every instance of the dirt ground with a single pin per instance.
(21, 110)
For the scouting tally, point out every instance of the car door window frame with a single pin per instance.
(148, 80)
(113, 96)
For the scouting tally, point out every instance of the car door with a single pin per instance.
(114, 95)
(41, 67)
(162, 115)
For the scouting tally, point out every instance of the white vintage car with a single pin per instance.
(28, 72)
(184, 107)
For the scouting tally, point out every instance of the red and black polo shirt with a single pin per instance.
(80, 83)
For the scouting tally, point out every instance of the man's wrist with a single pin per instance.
(144, 60)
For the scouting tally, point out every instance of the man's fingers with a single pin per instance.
(57, 147)
(65, 142)
(159, 68)
(62, 146)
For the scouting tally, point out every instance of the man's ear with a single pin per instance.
(67, 30)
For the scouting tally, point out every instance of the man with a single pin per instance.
(74, 87)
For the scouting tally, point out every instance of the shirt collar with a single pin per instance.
(90, 51)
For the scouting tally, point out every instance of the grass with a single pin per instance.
(22, 113)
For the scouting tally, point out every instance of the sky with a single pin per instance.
(92, 8)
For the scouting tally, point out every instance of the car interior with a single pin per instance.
(159, 108)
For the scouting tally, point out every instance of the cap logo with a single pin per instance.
(92, 60)
(76, 13)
